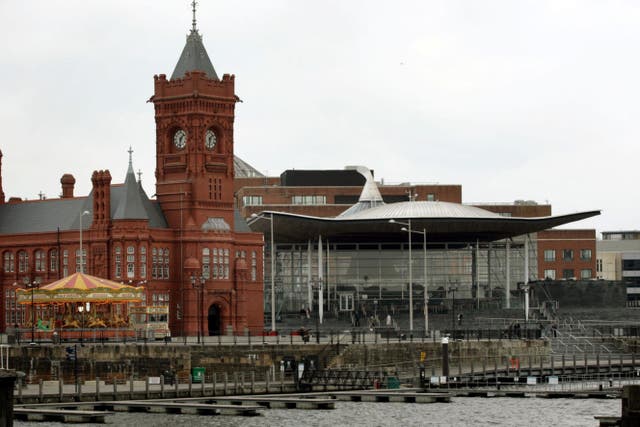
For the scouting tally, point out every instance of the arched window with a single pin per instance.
(166, 263)
(23, 262)
(9, 262)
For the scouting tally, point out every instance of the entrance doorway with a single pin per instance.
(215, 321)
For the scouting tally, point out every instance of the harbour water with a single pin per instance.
(496, 412)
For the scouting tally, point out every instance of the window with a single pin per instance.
(131, 262)
(567, 273)
(53, 260)
(65, 263)
(143, 262)
(599, 265)
(252, 200)
(549, 255)
(9, 262)
(585, 273)
(14, 313)
(431, 197)
(206, 263)
(550, 274)
(166, 263)
(567, 254)
(585, 254)
(254, 266)
(40, 261)
(346, 302)
(23, 262)
(220, 263)
(82, 261)
(118, 259)
(309, 200)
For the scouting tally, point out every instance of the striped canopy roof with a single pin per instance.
(81, 287)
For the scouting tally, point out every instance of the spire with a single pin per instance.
(193, 23)
(131, 204)
(194, 56)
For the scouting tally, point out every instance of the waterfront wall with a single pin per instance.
(124, 361)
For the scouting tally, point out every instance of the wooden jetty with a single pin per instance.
(151, 406)
(60, 415)
(392, 396)
(272, 402)
(546, 394)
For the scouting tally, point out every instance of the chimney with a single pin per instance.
(67, 181)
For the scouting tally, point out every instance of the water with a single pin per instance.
(461, 411)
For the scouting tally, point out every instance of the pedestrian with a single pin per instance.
(388, 321)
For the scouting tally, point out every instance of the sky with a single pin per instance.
(514, 100)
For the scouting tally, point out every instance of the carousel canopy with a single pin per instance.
(81, 287)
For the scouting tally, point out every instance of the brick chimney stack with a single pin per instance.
(68, 182)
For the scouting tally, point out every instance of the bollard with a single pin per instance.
(253, 381)
(235, 383)
(161, 385)
(40, 385)
(266, 381)
(130, 388)
(630, 405)
(146, 388)
(202, 385)
(226, 381)
(190, 386)
(97, 388)
(60, 389)
(215, 384)
(445, 357)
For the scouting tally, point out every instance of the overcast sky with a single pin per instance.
(534, 100)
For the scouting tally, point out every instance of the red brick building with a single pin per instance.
(189, 247)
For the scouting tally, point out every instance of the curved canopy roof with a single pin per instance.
(442, 221)
(80, 287)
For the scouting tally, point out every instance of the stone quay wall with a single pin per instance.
(113, 362)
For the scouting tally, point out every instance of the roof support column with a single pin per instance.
(507, 250)
(526, 278)
(309, 286)
(320, 276)
(477, 275)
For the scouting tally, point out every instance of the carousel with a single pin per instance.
(79, 306)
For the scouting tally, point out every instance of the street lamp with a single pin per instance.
(273, 270)
(453, 290)
(81, 253)
(426, 291)
(408, 225)
(198, 283)
(82, 308)
(32, 285)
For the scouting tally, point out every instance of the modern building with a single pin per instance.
(618, 258)
(189, 247)
(354, 256)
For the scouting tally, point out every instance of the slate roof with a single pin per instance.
(128, 201)
(194, 57)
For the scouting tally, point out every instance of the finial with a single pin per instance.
(193, 23)
(139, 175)
(130, 151)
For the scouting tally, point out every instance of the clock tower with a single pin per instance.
(194, 112)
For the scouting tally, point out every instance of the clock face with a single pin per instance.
(210, 140)
(180, 139)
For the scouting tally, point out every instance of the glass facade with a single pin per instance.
(378, 273)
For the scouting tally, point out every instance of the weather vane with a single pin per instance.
(193, 4)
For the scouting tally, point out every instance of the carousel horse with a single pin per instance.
(70, 322)
(96, 322)
(117, 321)
(44, 326)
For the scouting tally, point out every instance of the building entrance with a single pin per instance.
(215, 321)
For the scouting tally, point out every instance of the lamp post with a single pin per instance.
(426, 286)
(453, 290)
(32, 285)
(198, 283)
(408, 225)
(273, 269)
(83, 213)
(82, 308)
